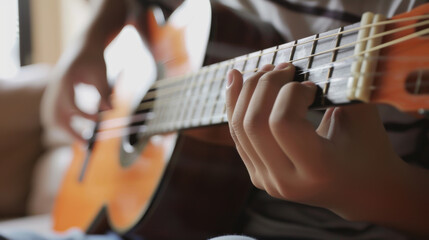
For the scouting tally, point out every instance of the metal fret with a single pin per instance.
(148, 105)
(172, 103)
(337, 93)
(267, 56)
(300, 56)
(310, 60)
(220, 109)
(166, 100)
(165, 113)
(186, 100)
(321, 64)
(292, 52)
(202, 97)
(157, 109)
(333, 59)
(240, 65)
(193, 97)
(178, 103)
(169, 100)
(214, 96)
(284, 53)
(251, 64)
(199, 99)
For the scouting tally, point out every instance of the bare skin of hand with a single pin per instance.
(84, 64)
(346, 165)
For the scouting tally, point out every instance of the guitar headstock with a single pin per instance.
(402, 76)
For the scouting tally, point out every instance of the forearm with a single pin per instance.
(109, 18)
(400, 202)
(412, 209)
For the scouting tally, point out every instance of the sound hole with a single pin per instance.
(135, 141)
(136, 127)
(140, 117)
(417, 82)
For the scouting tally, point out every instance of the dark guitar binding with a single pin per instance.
(205, 186)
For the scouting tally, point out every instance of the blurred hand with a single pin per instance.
(82, 64)
(346, 164)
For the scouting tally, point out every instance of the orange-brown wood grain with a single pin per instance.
(123, 192)
(398, 61)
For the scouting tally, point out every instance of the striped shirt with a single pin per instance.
(270, 217)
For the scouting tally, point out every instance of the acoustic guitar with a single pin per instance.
(155, 166)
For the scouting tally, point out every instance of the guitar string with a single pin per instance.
(208, 101)
(118, 130)
(180, 88)
(120, 122)
(180, 79)
(386, 22)
(423, 32)
(190, 97)
(161, 94)
(171, 102)
(378, 47)
(245, 58)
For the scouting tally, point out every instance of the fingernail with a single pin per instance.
(230, 79)
(309, 84)
(267, 67)
(105, 105)
(282, 66)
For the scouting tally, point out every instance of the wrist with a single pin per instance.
(110, 17)
(94, 42)
(368, 198)
(398, 200)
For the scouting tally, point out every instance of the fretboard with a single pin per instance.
(198, 99)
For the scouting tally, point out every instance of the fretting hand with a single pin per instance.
(347, 164)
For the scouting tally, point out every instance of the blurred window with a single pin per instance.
(9, 38)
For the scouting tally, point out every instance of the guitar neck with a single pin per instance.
(198, 99)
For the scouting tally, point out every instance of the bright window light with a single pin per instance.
(9, 38)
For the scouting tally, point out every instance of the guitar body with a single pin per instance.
(180, 185)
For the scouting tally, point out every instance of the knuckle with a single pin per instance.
(236, 124)
(277, 123)
(250, 81)
(296, 90)
(283, 188)
(273, 77)
(254, 123)
(267, 77)
(233, 136)
(256, 179)
(256, 182)
(288, 194)
(292, 88)
(272, 191)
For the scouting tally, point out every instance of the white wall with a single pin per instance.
(54, 24)
(9, 40)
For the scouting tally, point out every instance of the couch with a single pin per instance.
(34, 152)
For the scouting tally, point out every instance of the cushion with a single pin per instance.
(20, 137)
